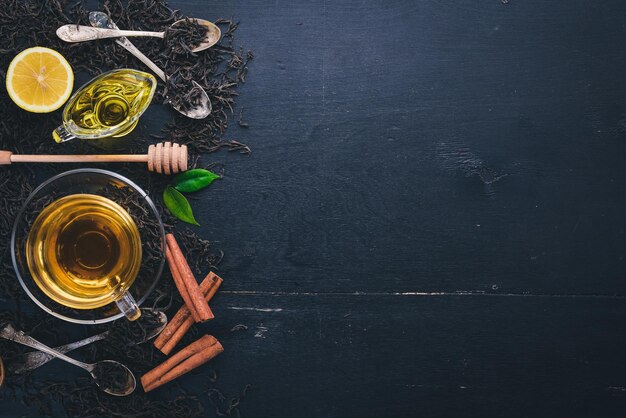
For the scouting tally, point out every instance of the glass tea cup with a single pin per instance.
(107, 106)
(63, 202)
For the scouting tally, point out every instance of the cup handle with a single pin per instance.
(127, 305)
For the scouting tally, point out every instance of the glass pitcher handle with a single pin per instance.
(61, 134)
(127, 305)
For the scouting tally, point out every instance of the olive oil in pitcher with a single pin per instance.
(109, 105)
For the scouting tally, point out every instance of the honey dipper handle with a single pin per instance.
(5, 157)
(25, 158)
(164, 157)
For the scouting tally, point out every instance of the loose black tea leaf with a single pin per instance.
(183, 93)
(184, 36)
(239, 327)
(240, 120)
(227, 406)
(200, 250)
(237, 146)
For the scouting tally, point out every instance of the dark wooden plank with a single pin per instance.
(371, 356)
(321, 355)
(435, 145)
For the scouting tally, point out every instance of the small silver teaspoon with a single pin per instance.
(35, 359)
(80, 33)
(111, 376)
(198, 111)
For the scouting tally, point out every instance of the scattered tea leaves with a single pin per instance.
(184, 36)
(194, 180)
(219, 70)
(178, 205)
(184, 94)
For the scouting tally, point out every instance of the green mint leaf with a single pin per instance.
(194, 180)
(178, 205)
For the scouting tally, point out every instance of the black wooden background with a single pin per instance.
(431, 222)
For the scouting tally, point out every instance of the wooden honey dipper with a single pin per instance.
(166, 157)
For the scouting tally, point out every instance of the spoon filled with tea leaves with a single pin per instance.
(149, 325)
(111, 376)
(185, 35)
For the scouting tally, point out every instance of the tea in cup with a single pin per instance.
(84, 251)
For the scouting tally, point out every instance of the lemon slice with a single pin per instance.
(39, 80)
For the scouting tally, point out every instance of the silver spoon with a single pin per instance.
(35, 359)
(198, 111)
(111, 376)
(80, 33)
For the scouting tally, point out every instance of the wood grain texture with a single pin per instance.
(323, 355)
(410, 157)
(429, 146)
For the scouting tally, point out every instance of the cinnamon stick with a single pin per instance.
(178, 326)
(180, 285)
(190, 282)
(180, 332)
(187, 359)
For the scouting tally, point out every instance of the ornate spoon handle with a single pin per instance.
(78, 33)
(33, 360)
(10, 333)
(101, 20)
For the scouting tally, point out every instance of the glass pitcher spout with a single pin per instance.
(61, 134)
